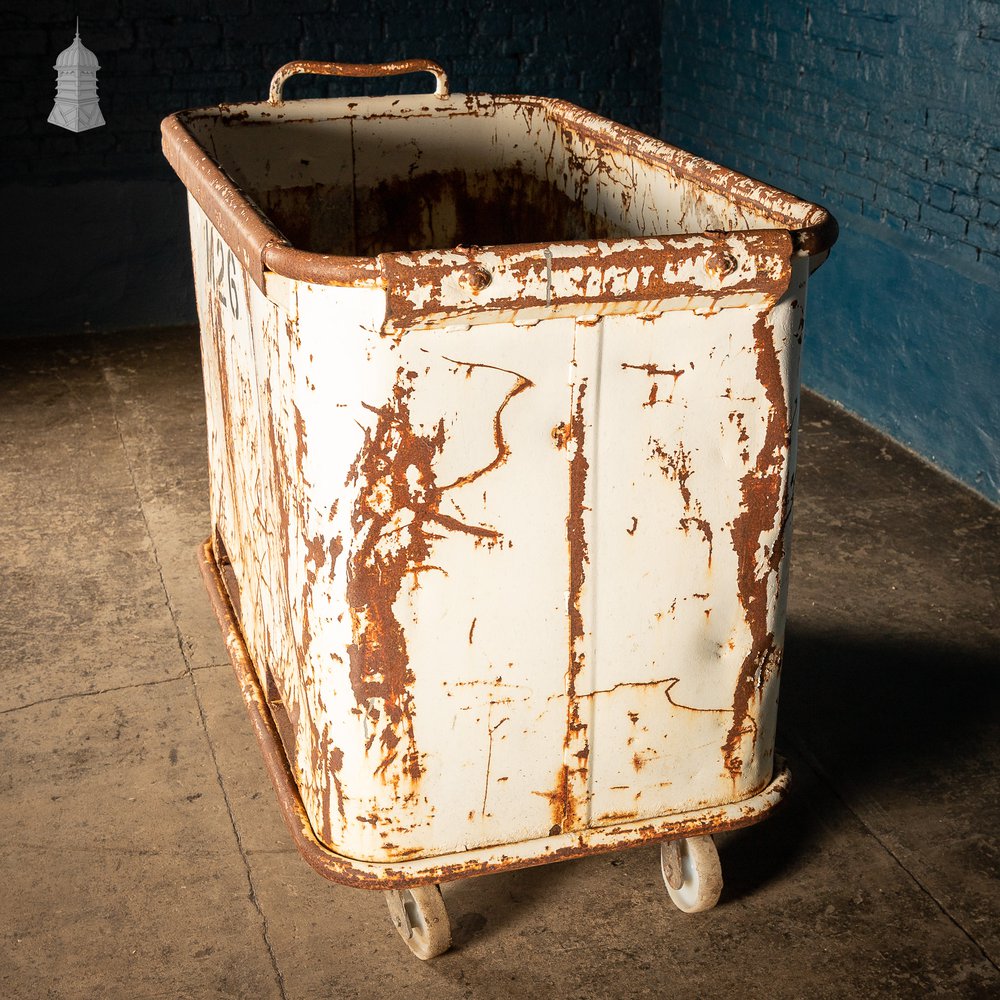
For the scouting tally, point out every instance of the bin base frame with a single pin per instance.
(267, 716)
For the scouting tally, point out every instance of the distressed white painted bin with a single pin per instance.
(502, 401)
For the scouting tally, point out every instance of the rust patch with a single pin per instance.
(463, 208)
(618, 817)
(315, 554)
(390, 548)
(739, 418)
(561, 435)
(654, 386)
(327, 761)
(575, 533)
(428, 211)
(672, 682)
(398, 502)
(336, 548)
(503, 450)
(704, 527)
(343, 870)
(764, 499)
(676, 466)
(300, 444)
(336, 761)
(562, 799)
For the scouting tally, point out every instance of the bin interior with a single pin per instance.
(335, 180)
(428, 210)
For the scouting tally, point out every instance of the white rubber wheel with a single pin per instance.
(692, 873)
(421, 918)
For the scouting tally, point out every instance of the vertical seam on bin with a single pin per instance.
(548, 275)
(354, 192)
(575, 757)
(595, 575)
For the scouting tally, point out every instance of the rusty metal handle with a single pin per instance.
(359, 69)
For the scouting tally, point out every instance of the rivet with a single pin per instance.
(475, 279)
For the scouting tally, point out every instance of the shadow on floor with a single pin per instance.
(875, 708)
(885, 719)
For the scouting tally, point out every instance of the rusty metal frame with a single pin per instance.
(265, 718)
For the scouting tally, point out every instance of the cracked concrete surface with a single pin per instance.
(144, 855)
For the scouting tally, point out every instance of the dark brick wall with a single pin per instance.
(888, 112)
(162, 55)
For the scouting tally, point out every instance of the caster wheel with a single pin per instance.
(691, 873)
(421, 918)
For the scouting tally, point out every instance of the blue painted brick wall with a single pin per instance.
(883, 108)
(887, 112)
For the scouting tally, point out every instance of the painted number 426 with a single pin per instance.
(222, 270)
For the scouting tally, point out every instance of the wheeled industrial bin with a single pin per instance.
(502, 400)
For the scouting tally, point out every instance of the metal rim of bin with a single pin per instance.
(431, 870)
(262, 248)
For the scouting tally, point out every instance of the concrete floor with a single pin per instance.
(143, 854)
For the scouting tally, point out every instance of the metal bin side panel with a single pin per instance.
(692, 498)
(395, 511)
(276, 489)
(296, 157)
(229, 311)
(459, 574)
(589, 618)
